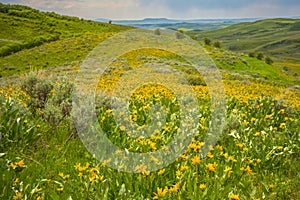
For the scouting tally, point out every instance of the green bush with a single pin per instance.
(38, 90)
(59, 104)
(217, 44)
(207, 41)
(269, 60)
(260, 56)
(251, 54)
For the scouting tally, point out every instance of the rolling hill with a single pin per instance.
(31, 39)
(279, 38)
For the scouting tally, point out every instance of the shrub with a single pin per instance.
(269, 61)
(207, 41)
(195, 80)
(59, 103)
(260, 56)
(217, 44)
(251, 54)
(157, 31)
(37, 89)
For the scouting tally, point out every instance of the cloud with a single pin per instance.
(132, 9)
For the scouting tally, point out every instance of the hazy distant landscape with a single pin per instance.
(196, 24)
(247, 83)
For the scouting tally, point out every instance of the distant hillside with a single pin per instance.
(279, 38)
(23, 27)
(194, 24)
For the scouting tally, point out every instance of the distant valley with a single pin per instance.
(191, 24)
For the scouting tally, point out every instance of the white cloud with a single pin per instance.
(133, 9)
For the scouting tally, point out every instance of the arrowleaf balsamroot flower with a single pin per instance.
(196, 160)
(234, 196)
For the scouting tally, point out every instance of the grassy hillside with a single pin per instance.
(24, 28)
(279, 38)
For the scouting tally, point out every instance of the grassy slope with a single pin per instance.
(276, 37)
(21, 23)
(75, 38)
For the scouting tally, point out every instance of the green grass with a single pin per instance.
(33, 23)
(276, 37)
(23, 28)
(62, 52)
(246, 66)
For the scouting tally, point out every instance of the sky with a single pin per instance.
(174, 9)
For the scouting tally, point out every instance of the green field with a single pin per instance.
(41, 153)
(277, 38)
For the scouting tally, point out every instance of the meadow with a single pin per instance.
(42, 155)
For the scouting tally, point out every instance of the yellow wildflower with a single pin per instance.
(160, 193)
(195, 160)
(183, 167)
(175, 188)
(234, 196)
(13, 165)
(202, 186)
(178, 173)
(282, 125)
(225, 155)
(268, 116)
(21, 163)
(18, 195)
(209, 155)
(212, 167)
(239, 145)
(280, 148)
(161, 172)
(232, 159)
(228, 170)
(61, 174)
